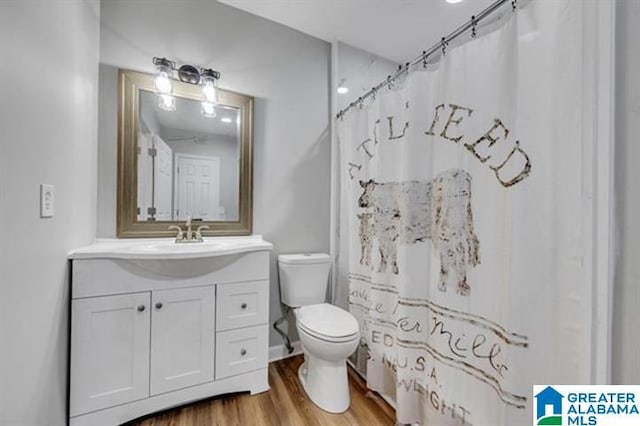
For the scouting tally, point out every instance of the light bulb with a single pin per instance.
(209, 82)
(166, 102)
(453, 1)
(210, 93)
(164, 73)
(208, 109)
(343, 90)
(163, 83)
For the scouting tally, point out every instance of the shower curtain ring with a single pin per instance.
(514, 5)
(389, 82)
(443, 43)
(424, 59)
(474, 24)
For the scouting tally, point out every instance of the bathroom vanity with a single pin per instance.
(156, 324)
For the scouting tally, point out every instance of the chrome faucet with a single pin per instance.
(189, 236)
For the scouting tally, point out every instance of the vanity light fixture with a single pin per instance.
(210, 85)
(189, 74)
(209, 92)
(163, 82)
(453, 1)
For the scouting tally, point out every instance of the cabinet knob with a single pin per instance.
(243, 352)
(158, 305)
(140, 308)
(243, 306)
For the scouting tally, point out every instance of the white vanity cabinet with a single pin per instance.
(149, 332)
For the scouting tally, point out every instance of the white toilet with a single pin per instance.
(328, 334)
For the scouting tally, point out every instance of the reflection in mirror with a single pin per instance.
(187, 163)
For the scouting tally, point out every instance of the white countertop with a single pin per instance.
(166, 248)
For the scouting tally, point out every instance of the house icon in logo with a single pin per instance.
(549, 397)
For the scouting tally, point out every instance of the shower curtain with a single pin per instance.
(460, 231)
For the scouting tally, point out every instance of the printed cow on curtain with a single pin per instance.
(413, 211)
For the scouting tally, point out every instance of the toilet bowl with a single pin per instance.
(328, 335)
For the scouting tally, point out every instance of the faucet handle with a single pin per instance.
(180, 235)
(188, 220)
(198, 233)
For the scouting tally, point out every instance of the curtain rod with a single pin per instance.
(442, 45)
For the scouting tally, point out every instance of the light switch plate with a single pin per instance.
(47, 200)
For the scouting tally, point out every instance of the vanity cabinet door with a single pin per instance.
(109, 351)
(182, 338)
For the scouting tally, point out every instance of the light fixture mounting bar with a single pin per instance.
(186, 73)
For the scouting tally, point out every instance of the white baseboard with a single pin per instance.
(279, 352)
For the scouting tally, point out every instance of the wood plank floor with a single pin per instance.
(285, 404)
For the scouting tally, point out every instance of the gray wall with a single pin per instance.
(288, 74)
(48, 122)
(107, 151)
(360, 71)
(626, 305)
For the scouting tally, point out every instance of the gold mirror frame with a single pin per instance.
(127, 226)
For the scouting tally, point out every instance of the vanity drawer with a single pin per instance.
(242, 305)
(241, 351)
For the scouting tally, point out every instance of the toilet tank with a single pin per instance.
(304, 278)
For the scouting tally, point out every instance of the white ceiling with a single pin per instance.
(393, 29)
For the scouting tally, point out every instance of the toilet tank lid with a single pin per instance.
(304, 258)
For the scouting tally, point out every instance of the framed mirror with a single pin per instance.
(178, 164)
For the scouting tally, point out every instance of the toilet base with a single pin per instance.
(326, 383)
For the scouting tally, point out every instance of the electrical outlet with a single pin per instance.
(47, 200)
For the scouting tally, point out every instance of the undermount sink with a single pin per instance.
(162, 248)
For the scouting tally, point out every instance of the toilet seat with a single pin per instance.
(328, 339)
(327, 322)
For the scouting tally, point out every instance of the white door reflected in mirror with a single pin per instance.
(197, 187)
